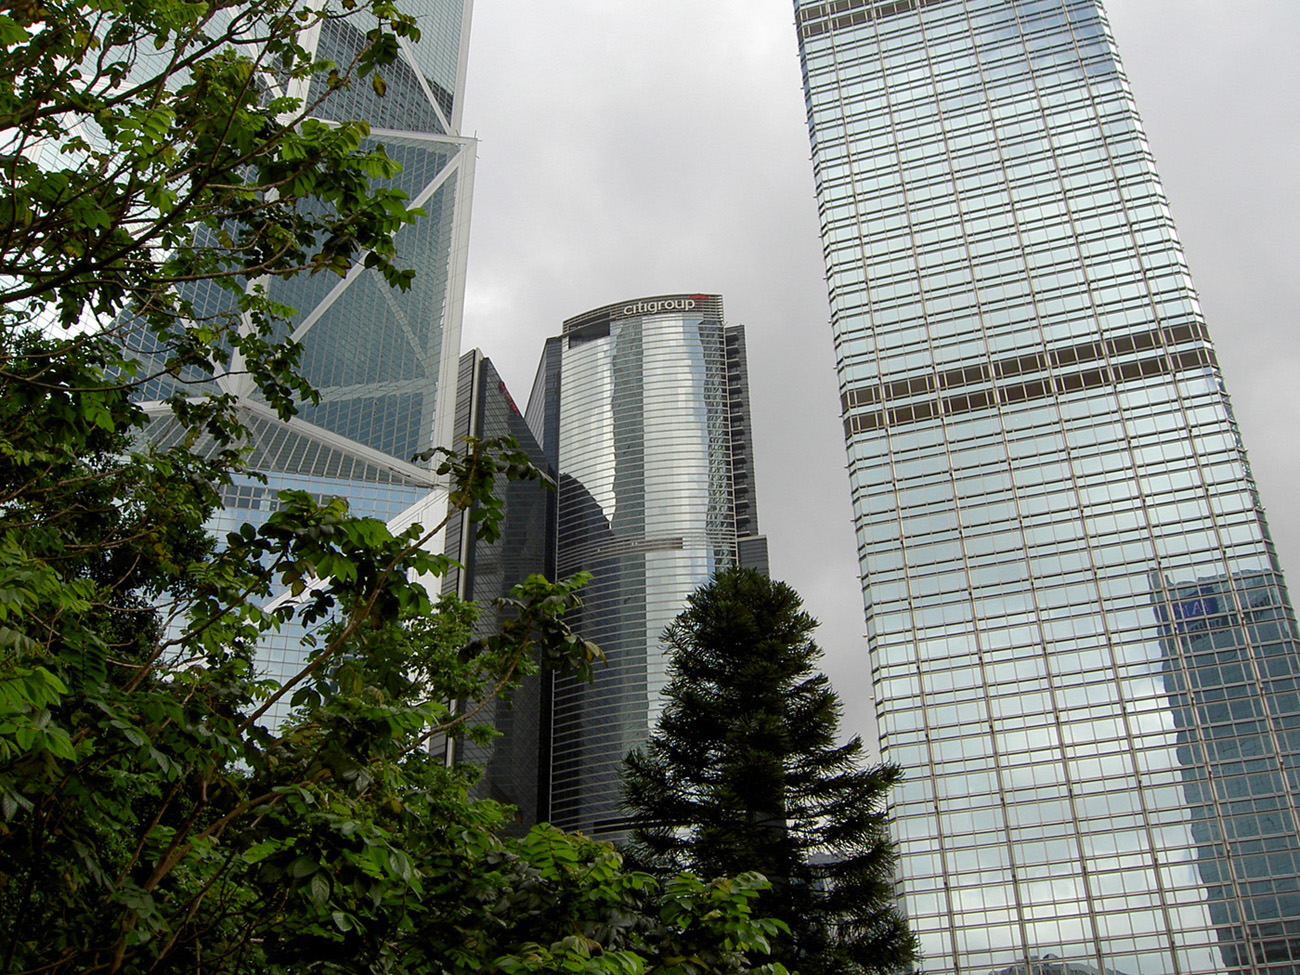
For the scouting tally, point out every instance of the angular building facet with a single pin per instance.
(643, 411)
(384, 361)
(1083, 651)
(516, 765)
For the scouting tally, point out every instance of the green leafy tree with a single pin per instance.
(149, 821)
(744, 773)
(151, 824)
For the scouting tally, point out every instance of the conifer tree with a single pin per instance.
(744, 772)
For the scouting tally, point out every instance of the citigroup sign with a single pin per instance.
(658, 305)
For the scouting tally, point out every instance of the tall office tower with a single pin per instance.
(1083, 652)
(383, 361)
(642, 409)
(516, 765)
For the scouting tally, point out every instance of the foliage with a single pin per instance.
(157, 144)
(149, 820)
(555, 902)
(744, 773)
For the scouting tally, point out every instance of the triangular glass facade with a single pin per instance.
(383, 360)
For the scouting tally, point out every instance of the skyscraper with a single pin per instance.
(642, 409)
(516, 765)
(1083, 651)
(384, 361)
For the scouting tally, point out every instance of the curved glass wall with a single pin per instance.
(1083, 650)
(641, 399)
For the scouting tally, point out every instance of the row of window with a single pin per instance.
(1099, 622)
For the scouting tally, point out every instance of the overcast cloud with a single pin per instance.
(636, 148)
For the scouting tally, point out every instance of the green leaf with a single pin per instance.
(400, 864)
(11, 32)
(260, 851)
(60, 744)
(320, 888)
(303, 866)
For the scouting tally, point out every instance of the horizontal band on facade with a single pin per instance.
(1017, 392)
(1021, 365)
(821, 18)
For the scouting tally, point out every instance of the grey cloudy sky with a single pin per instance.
(635, 148)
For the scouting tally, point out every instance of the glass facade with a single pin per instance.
(516, 764)
(384, 361)
(299, 457)
(1083, 651)
(646, 422)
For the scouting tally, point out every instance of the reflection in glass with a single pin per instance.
(514, 764)
(642, 408)
(383, 361)
(1083, 650)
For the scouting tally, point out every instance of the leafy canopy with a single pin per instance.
(152, 150)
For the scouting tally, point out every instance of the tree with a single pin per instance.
(149, 821)
(744, 773)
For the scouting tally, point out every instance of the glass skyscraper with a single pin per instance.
(642, 408)
(516, 765)
(384, 361)
(1083, 651)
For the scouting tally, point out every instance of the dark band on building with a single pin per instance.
(821, 18)
(1019, 390)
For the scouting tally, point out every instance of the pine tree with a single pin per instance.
(744, 773)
